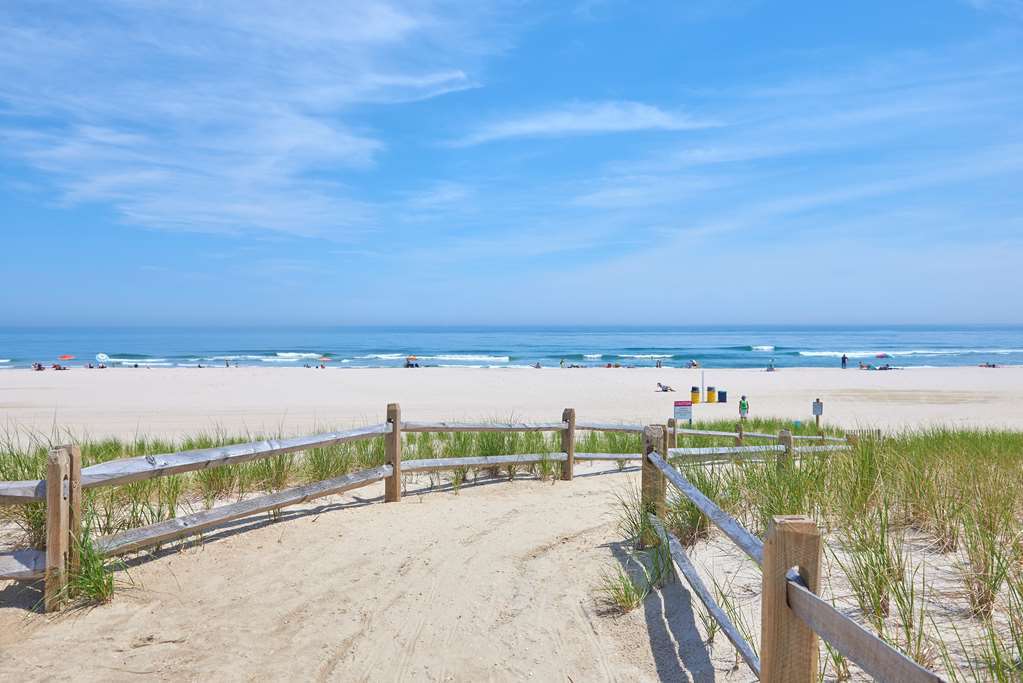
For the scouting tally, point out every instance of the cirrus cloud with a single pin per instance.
(584, 118)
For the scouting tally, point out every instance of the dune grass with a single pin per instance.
(922, 530)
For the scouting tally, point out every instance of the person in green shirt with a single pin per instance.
(743, 408)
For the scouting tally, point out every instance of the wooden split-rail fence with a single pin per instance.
(793, 616)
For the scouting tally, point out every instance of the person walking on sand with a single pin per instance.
(743, 408)
(845, 361)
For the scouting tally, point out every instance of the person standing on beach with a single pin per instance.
(845, 361)
(743, 408)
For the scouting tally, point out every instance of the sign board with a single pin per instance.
(818, 408)
(684, 410)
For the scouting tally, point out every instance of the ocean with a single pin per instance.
(508, 347)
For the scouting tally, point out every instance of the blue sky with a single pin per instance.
(522, 162)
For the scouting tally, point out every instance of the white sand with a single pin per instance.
(494, 583)
(177, 401)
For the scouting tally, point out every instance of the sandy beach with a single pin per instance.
(180, 401)
(497, 582)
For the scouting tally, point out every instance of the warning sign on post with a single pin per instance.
(684, 410)
(818, 408)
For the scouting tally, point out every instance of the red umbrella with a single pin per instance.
(66, 357)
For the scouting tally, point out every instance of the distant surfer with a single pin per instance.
(845, 361)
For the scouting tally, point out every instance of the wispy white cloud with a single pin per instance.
(584, 118)
(1012, 8)
(441, 195)
(218, 117)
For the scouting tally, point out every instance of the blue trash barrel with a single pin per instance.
(722, 396)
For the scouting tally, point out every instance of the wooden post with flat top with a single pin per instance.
(57, 486)
(788, 647)
(672, 434)
(786, 440)
(652, 487)
(568, 444)
(738, 433)
(392, 447)
(74, 509)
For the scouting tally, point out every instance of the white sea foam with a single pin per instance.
(297, 354)
(593, 356)
(140, 361)
(912, 352)
(646, 355)
(763, 347)
(383, 356)
(468, 357)
(5, 360)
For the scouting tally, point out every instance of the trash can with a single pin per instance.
(712, 395)
(694, 395)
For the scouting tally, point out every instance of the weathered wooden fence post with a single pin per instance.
(738, 433)
(672, 434)
(57, 485)
(74, 509)
(786, 440)
(788, 647)
(392, 446)
(652, 488)
(568, 444)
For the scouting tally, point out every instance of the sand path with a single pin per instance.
(494, 583)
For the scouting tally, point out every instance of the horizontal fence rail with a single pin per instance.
(22, 492)
(820, 437)
(747, 542)
(171, 529)
(608, 456)
(827, 448)
(150, 466)
(484, 427)
(724, 450)
(435, 464)
(870, 653)
(731, 435)
(609, 427)
(757, 435)
(25, 564)
(127, 470)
